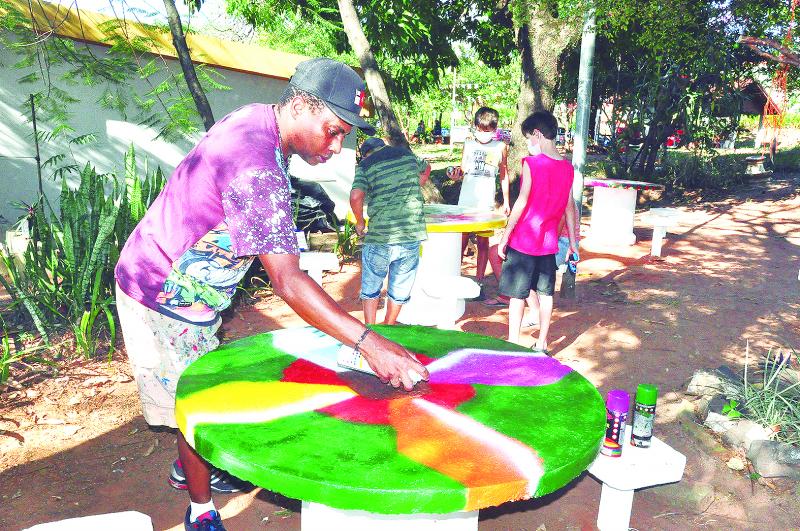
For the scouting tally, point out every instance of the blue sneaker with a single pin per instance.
(221, 481)
(209, 521)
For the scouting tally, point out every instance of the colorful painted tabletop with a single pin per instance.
(621, 183)
(453, 218)
(495, 422)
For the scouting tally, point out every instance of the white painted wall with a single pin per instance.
(18, 181)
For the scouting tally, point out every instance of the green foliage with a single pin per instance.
(307, 37)
(731, 409)
(10, 355)
(346, 241)
(67, 281)
(770, 394)
(411, 41)
(476, 82)
(674, 65)
(53, 66)
(701, 170)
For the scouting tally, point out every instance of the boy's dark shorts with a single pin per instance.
(523, 273)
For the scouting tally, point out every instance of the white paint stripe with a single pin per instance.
(524, 458)
(263, 415)
(308, 344)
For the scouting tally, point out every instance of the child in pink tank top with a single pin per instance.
(530, 242)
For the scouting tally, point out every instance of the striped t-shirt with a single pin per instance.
(389, 178)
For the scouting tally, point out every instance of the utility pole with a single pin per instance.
(584, 110)
(453, 109)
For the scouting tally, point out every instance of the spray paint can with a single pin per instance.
(644, 414)
(618, 402)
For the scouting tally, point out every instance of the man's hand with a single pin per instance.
(391, 362)
(457, 174)
(360, 227)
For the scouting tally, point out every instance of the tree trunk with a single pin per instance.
(185, 58)
(660, 127)
(377, 89)
(380, 96)
(540, 42)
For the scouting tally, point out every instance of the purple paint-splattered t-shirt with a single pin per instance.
(227, 201)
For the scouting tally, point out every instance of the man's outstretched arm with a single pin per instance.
(390, 361)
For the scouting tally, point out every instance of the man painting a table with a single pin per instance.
(227, 202)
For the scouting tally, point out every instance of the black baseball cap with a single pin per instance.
(336, 84)
(370, 144)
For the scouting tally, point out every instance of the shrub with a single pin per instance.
(347, 244)
(697, 170)
(770, 394)
(67, 277)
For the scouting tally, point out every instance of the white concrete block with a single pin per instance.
(124, 521)
(315, 262)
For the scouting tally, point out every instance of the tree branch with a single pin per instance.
(788, 57)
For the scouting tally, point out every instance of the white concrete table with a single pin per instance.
(635, 469)
(277, 410)
(613, 208)
(440, 262)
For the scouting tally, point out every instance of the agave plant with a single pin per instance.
(67, 281)
(770, 394)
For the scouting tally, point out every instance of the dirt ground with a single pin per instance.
(76, 444)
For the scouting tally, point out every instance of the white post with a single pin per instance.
(584, 110)
(453, 110)
(615, 509)
(658, 239)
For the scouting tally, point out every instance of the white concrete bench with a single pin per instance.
(451, 290)
(635, 469)
(315, 262)
(661, 219)
(125, 521)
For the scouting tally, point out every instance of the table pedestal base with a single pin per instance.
(318, 517)
(615, 509)
(440, 259)
(612, 216)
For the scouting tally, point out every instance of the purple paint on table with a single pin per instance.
(490, 367)
(457, 218)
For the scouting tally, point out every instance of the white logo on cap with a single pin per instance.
(359, 100)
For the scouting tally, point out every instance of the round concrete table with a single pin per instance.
(440, 263)
(613, 208)
(495, 423)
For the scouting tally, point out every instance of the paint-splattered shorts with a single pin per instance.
(159, 350)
